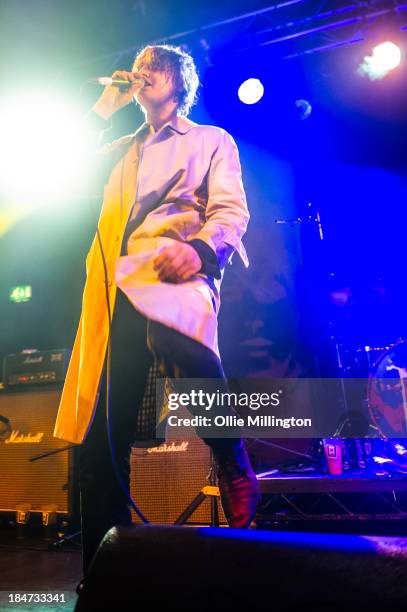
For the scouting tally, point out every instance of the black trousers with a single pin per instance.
(135, 341)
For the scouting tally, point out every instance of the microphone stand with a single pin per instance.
(60, 541)
(311, 220)
(212, 491)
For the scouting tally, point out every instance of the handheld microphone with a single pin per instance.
(120, 83)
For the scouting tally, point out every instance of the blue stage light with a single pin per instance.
(304, 109)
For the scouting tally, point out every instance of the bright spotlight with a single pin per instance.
(250, 91)
(43, 149)
(385, 57)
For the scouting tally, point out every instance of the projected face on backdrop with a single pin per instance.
(160, 88)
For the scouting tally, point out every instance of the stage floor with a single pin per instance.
(27, 565)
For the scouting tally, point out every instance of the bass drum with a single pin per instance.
(387, 392)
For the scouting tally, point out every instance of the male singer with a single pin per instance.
(174, 211)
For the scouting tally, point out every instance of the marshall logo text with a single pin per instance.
(18, 438)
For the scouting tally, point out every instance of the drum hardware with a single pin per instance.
(387, 393)
(383, 450)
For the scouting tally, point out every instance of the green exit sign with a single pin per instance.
(22, 293)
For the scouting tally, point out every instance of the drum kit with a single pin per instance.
(384, 449)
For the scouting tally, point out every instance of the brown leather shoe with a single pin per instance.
(238, 486)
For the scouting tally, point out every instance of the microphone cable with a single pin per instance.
(112, 449)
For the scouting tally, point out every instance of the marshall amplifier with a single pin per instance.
(27, 420)
(165, 479)
(35, 367)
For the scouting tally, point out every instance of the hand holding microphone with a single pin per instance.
(119, 91)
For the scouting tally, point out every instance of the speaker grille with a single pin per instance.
(32, 415)
(165, 479)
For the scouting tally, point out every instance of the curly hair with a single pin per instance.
(179, 64)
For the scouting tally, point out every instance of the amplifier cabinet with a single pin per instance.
(165, 479)
(27, 421)
(36, 367)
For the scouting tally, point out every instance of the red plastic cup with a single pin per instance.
(333, 454)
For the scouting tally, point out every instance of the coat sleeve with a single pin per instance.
(226, 215)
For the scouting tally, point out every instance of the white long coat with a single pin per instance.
(180, 183)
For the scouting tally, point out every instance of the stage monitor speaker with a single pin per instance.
(203, 569)
(27, 421)
(165, 479)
